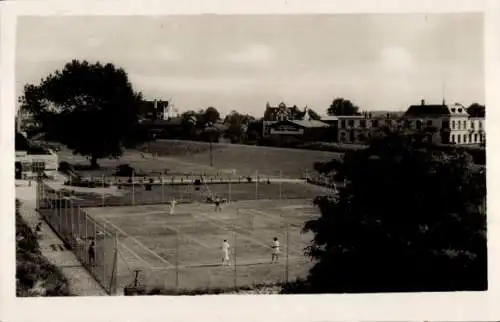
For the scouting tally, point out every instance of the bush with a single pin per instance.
(124, 170)
(64, 167)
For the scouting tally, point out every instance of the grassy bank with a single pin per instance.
(35, 275)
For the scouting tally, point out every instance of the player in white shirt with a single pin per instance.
(225, 253)
(276, 250)
(172, 206)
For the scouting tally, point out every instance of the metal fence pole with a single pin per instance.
(113, 287)
(235, 272)
(103, 252)
(280, 183)
(177, 258)
(162, 190)
(86, 237)
(256, 185)
(287, 237)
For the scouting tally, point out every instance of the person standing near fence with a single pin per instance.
(275, 250)
(92, 252)
(225, 253)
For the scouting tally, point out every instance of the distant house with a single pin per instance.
(32, 160)
(303, 130)
(282, 112)
(451, 124)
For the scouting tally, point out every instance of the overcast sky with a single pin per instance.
(380, 62)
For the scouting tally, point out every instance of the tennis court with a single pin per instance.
(182, 250)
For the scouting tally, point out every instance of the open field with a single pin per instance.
(246, 159)
(183, 250)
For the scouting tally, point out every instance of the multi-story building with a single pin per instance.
(446, 124)
(291, 123)
(357, 129)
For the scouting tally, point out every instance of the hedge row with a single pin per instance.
(35, 275)
(269, 288)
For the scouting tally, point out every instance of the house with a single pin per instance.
(281, 112)
(446, 124)
(31, 160)
(301, 130)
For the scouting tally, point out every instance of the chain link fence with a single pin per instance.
(193, 257)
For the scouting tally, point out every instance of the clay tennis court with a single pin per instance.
(182, 250)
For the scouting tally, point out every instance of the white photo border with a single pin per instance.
(457, 306)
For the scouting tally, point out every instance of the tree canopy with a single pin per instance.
(89, 107)
(408, 219)
(313, 115)
(476, 110)
(342, 106)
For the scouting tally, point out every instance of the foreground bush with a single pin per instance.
(409, 219)
(35, 275)
(269, 288)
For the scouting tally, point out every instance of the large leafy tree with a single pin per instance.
(408, 219)
(237, 125)
(313, 115)
(476, 110)
(89, 107)
(342, 106)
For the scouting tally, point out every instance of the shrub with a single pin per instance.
(124, 170)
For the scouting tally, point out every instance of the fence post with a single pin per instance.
(235, 272)
(256, 185)
(280, 183)
(177, 258)
(113, 287)
(287, 252)
(86, 237)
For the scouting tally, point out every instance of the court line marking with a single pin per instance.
(139, 243)
(253, 239)
(136, 255)
(268, 217)
(187, 236)
(170, 226)
(242, 263)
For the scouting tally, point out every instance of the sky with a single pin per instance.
(378, 61)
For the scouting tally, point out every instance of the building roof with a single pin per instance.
(310, 123)
(424, 109)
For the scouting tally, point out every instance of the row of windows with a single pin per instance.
(459, 124)
(466, 138)
(418, 124)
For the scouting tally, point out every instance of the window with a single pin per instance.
(453, 125)
(470, 138)
(458, 139)
(429, 123)
(38, 166)
(375, 123)
(465, 125)
(472, 124)
(465, 138)
(351, 123)
(452, 138)
(475, 137)
(459, 124)
(480, 125)
(362, 123)
(419, 124)
(342, 124)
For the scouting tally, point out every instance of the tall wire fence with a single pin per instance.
(186, 254)
(197, 188)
